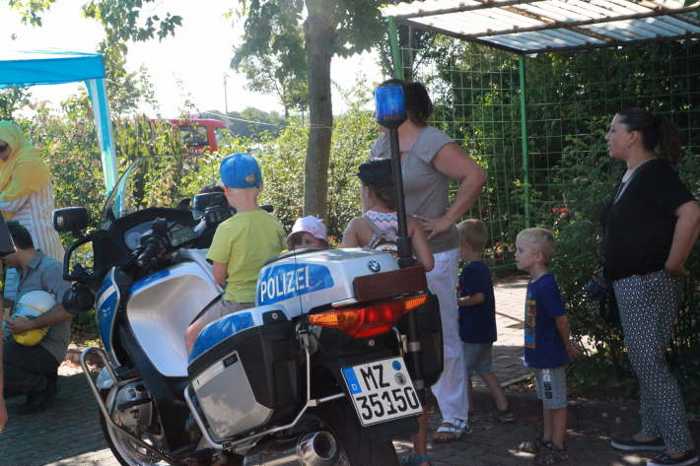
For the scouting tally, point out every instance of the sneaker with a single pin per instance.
(664, 459)
(534, 447)
(506, 416)
(630, 444)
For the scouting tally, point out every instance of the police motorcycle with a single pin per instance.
(326, 369)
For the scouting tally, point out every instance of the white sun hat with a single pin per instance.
(312, 225)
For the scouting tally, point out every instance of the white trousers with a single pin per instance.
(450, 389)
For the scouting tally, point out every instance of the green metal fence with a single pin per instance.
(537, 125)
(482, 103)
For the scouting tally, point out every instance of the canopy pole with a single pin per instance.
(103, 123)
(523, 138)
(393, 32)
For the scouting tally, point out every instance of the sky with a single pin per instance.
(192, 64)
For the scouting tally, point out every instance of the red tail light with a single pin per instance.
(368, 320)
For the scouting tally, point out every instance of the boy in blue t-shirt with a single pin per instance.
(477, 313)
(548, 347)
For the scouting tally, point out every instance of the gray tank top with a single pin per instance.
(426, 188)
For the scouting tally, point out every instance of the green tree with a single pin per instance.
(277, 66)
(11, 100)
(331, 27)
(274, 59)
(123, 21)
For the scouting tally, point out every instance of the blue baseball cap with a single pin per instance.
(240, 171)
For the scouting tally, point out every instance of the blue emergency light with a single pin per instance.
(390, 105)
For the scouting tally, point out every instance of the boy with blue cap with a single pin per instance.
(242, 244)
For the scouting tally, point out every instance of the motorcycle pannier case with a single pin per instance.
(429, 326)
(428, 322)
(242, 376)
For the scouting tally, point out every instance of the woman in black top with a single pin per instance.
(650, 226)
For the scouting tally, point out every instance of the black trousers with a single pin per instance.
(27, 368)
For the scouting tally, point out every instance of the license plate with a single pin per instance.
(381, 391)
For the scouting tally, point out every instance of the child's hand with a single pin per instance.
(19, 325)
(572, 350)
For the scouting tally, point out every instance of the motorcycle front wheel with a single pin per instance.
(125, 450)
(357, 447)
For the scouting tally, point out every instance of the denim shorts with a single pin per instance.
(551, 387)
(478, 357)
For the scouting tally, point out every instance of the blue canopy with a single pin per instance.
(29, 68)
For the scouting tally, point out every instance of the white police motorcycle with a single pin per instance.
(314, 374)
(326, 369)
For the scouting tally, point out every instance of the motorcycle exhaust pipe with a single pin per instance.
(313, 449)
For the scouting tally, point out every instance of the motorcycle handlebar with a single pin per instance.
(151, 251)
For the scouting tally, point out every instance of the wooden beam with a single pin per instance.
(568, 24)
(618, 43)
(483, 5)
(579, 30)
(446, 32)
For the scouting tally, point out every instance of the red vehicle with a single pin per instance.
(199, 134)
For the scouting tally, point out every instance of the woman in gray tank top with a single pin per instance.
(429, 160)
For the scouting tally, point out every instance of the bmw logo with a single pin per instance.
(374, 266)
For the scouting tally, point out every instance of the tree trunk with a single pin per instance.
(319, 31)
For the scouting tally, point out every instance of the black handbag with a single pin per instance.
(600, 289)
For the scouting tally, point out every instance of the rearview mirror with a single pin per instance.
(201, 202)
(7, 246)
(71, 219)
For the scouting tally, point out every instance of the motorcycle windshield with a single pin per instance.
(123, 198)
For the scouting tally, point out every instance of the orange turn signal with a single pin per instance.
(370, 319)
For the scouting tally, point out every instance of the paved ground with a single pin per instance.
(69, 434)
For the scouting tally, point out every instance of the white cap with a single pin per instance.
(312, 225)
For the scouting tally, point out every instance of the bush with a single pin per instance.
(68, 142)
(589, 176)
(282, 162)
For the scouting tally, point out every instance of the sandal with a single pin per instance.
(552, 456)
(534, 447)
(414, 459)
(505, 417)
(448, 432)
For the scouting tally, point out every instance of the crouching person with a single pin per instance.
(35, 347)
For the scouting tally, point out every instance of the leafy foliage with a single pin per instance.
(31, 10)
(123, 20)
(589, 175)
(272, 54)
(12, 99)
(68, 142)
(570, 101)
(273, 41)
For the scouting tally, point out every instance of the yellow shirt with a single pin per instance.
(244, 242)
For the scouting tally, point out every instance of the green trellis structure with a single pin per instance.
(528, 88)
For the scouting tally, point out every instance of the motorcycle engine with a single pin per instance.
(133, 407)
